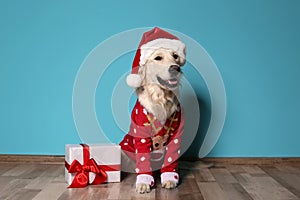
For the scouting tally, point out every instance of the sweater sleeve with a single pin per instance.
(142, 142)
(173, 149)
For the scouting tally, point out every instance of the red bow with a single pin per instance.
(81, 178)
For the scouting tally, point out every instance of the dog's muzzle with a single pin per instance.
(170, 83)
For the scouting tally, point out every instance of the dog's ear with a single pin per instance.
(139, 90)
(182, 61)
(134, 80)
(182, 58)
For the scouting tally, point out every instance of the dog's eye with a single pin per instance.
(175, 56)
(158, 58)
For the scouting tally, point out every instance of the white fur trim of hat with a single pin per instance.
(165, 43)
(133, 80)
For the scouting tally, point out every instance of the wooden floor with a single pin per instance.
(268, 182)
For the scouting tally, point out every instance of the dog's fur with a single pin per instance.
(159, 99)
(159, 91)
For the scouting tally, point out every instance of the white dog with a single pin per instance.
(156, 121)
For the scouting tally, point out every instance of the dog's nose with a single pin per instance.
(174, 69)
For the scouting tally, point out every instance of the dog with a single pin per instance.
(160, 79)
(153, 141)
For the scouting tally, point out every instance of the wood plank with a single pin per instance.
(192, 196)
(4, 167)
(18, 170)
(253, 170)
(98, 191)
(234, 168)
(51, 191)
(188, 187)
(89, 192)
(36, 171)
(288, 180)
(204, 175)
(162, 194)
(24, 194)
(241, 177)
(222, 175)
(212, 191)
(261, 188)
(4, 180)
(39, 183)
(60, 178)
(114, 191)
(54, 170)
(12, 187)
(235, 191)
(73, 193)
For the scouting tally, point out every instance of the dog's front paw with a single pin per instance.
(144, 182)
(169, 184)
(169, 180)
(142, 188)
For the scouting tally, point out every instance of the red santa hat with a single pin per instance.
(151, 41)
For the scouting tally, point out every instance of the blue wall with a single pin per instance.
(255, 45)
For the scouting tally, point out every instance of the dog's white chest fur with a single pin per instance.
(159, 102)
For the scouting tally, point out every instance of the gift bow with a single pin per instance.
(81, 178)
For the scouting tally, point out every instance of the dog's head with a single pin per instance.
(162, 68)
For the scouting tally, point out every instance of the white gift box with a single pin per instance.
(106, 156)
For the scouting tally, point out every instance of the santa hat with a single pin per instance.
(151, 41)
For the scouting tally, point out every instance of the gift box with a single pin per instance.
(92, 164)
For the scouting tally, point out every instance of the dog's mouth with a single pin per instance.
(170, 83)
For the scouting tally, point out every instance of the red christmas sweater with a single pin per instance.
(147, 134)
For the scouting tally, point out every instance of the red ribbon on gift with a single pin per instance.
(81, 178)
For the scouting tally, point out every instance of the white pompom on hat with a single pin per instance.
(151, 41)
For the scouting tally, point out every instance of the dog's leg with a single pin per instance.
(169, 184)
(142, 188)
(169, 180)
(144, 183)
